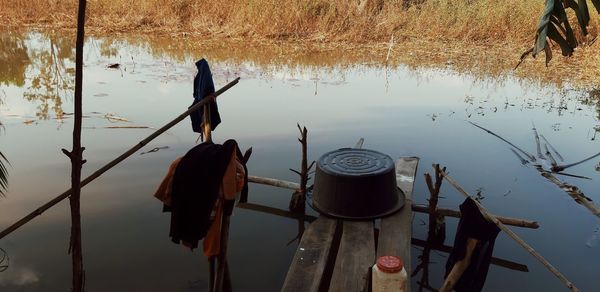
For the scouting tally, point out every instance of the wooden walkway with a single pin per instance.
(335, 255)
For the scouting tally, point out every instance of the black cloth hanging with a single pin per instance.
(472, 224)
(203, 86)
(196, 183)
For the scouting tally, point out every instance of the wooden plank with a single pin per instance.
(311, 257)
(396, 230)
(355, 255)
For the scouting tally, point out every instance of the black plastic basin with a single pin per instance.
(356, 184)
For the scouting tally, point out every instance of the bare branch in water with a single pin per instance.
(531, 157)
(550, 157)
(553, 149)
(573, 175)
(563, 167)
(537, 142)
(523, 160)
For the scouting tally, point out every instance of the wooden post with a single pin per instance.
(298, 200)
(436, 233)
(222, 271)
(76, 159)
(436, 222)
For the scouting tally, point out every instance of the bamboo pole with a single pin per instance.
(456, 214)
(494, 261)
(459, 267)
(274, 182)
(515, 237)
(117, 160)
(416, 208)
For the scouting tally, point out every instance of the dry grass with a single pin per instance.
(317, 20)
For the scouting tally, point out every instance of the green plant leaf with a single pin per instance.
(596, 4)
(542, 30)
(554, 35)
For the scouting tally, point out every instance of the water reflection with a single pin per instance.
(43, 62)
(14, 58)
(411, 107)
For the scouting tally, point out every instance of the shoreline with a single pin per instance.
(488, 60)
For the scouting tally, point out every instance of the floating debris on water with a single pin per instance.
(155, 149)
(114, 118)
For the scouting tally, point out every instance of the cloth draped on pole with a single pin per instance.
(204, 86)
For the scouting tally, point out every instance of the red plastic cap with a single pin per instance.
(390, 264)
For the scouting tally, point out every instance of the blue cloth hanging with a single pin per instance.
(203, 86)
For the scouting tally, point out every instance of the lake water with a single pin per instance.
(340, 96)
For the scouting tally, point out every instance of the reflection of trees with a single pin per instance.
(51, 81)
(13, 59)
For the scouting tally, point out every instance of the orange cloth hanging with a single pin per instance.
(230, 186)
(163, 193)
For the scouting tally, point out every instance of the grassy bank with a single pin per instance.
(318, 20)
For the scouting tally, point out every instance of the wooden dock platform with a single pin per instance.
(336, 255)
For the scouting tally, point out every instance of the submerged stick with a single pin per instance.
(572, 191)
(523, 160)
(531, 157)
(359, 143)
(514, 236)
(553, 149)
(550, 157)
(117, 160)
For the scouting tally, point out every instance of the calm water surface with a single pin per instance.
(399, 110)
